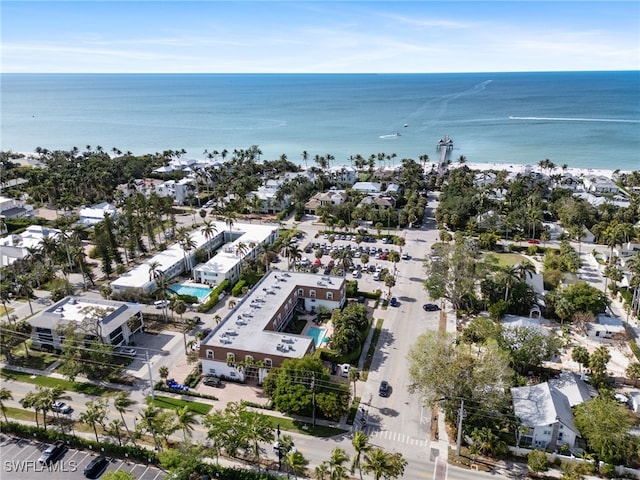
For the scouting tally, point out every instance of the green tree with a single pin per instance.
(528, 346)
(598, 361)
(94, 415)
(580, 355)
(382, 464)
(5, 394)
(121, 402)
(605, 426)
(360, 443)
(585, 298)
(117, 475)
(537, 462)
(186, 419)
(440, 368)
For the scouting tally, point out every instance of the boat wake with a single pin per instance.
(574, 119)
(395, 135)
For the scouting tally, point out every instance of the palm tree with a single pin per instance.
(209, 230)
(360, 442)
(296, 462)
(179, 307)
(525, 269)
(383, 464)
(114, 429)
(95, 414)
(229, 219)
(30, 400)
(336, 464)
(633, 372)
(509, 276)
(121, 402)
(186, 419)
(321, 471)
(5, 394)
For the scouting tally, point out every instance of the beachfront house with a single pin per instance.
(600, 185)
(251, 339)
(178, 190)
(114, 322)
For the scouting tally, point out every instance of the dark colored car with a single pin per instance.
(212, 381)
(96, 467)
(384, 389)
(393, 302)
(52, 453)
(430, 307)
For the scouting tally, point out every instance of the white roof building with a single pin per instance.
(92, 215)
(546, 414)
(367, 187)
(16, 247)
(244, 242)
(225, 264)
(106, 318)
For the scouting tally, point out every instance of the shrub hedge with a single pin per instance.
(214, 297)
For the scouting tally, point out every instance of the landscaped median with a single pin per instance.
(44, 381)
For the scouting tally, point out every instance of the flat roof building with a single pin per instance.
(107, 319)
(250, 340)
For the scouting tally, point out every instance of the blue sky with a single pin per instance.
(318, 36)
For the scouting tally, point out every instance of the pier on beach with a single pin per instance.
(445, 145)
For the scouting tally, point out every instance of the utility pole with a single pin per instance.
(460, 417)
(150, 375)
(313, 397)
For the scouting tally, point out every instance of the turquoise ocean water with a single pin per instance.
(582, 119)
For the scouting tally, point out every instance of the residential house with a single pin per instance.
(333, 197)
(378, 201)
(572, 386)
(545, 416)
(606, 327)
(370, 188)
(14, 208)
(343, 174)
(179, 190)
(600, 185)
(90, 216)
(17, 247)
(114, 322)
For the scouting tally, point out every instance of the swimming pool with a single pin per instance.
(317, 334)
(200, 292)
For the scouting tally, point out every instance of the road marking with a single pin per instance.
(394, 437)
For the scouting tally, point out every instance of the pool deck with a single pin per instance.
(327, 327)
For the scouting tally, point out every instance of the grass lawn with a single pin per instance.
(175, 403)
(505, 259)
(372, 350)
(36, 359)
(78, 387)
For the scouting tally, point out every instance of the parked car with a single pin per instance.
(405, 256)
(393, 302)
(52, 453)
(384, 389)
(129, 352)
(96, 467)
(212, 381)
(376, 276)
(345, 370)
(430, 307)
(61, 407)
(533, 241)
(161, 304)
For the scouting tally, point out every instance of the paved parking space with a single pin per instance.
(20, 461)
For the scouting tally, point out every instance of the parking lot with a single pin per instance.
(20, 461)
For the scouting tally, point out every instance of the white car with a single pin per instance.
(60, 407)
(130, 352)
(356, 274)
(405, 256)
(345, 370)
(161, 304)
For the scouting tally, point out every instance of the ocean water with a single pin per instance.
(582, 119)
